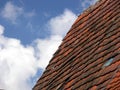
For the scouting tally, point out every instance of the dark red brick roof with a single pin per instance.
(89, 56)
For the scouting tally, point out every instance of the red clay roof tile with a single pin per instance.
(89, 56)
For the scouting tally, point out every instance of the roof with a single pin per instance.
(89, 56)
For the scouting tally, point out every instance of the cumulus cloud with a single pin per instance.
(19, 63)
(12, 12)
(85, 3)
(61, 24)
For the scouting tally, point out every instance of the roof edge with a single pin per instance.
(88, 10)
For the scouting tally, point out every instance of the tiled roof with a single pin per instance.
(89, 56)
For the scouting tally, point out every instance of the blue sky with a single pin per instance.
(30, 32)
(25, 27)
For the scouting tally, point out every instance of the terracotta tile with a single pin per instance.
(79, 62)
(68, 85)
(93, 88)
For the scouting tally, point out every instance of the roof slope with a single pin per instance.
(89, 56)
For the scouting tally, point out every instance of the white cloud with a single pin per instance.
(1, 29)
(61, 24)
(12, 12)
(86, 3)
(18, 63)
(46, 48)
